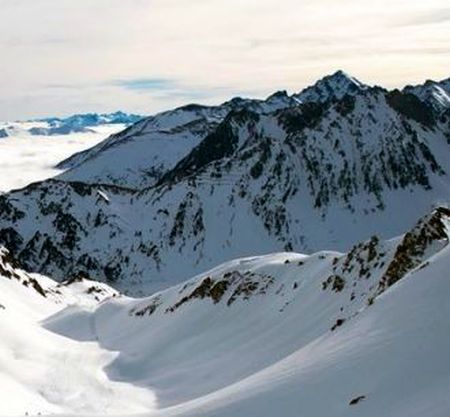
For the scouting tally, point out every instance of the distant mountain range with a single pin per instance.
(79, 123)
(181, 191)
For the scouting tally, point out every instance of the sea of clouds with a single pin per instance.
(25, 158)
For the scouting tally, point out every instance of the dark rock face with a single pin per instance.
(410, 106)
(431, 230)
(216, 146)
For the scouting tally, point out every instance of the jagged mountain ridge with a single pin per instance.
(312, 176)
(437, 93)
(141, 154)
(94, 119)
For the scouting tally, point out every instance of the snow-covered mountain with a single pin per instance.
(361, 333)
(78, 123)
(141, 154)
(300, 177)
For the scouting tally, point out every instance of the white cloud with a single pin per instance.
(25, 158)
(214, 47)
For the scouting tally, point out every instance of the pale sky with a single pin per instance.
(64, 56)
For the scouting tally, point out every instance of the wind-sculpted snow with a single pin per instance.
(281, 334)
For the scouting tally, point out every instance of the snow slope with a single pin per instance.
(391, 358)
(363, 333)
(42, 372)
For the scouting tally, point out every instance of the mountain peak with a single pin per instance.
(342, 76)
(278, 94)
(339, 74)
(333, 86)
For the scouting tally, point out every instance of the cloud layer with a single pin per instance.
(25, 159)
(69, 56)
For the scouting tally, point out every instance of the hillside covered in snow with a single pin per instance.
(184, 190)
(362, 333)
